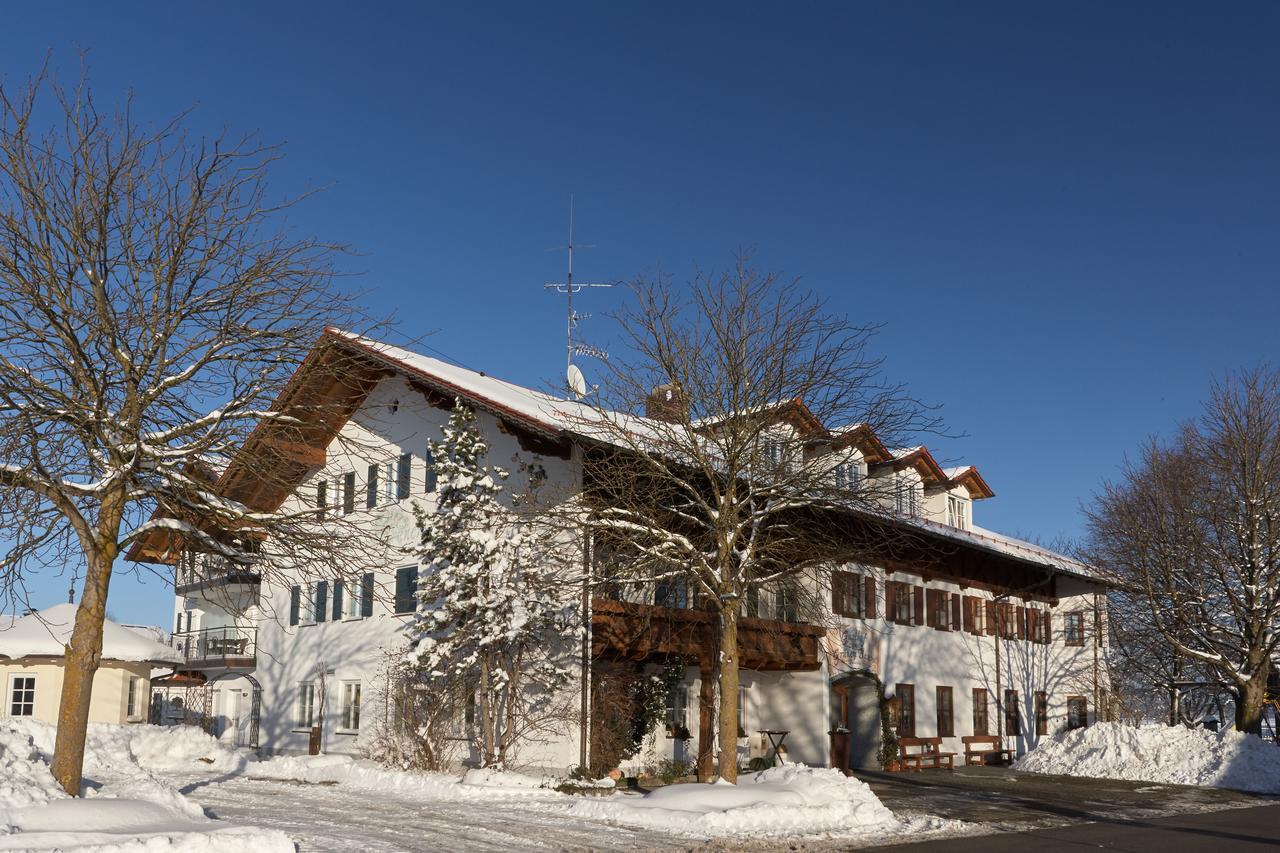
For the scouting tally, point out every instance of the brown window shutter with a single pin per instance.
(955, 611)
(1022, 623)
(968, 613)
(991, 617)
(891, 601)
(869, 604)
(931, 608)
(1048, 626)
(837, 588)
(919, 602)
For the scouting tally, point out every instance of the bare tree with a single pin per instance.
(1194, 525)
(731, 485)
(153, 307)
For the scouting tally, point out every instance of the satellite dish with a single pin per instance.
(577, 382)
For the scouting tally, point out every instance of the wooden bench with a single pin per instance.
(977, 748)
(920, 752)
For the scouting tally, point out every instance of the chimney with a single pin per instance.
(667, 403)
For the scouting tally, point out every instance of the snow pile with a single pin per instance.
(1173, 755)
(121, 750)
(124, 807)
(783, 801)
(358, 773)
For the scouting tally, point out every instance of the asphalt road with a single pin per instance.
(1238, 829)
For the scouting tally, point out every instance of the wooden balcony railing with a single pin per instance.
(640, 632)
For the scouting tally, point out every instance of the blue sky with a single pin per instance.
(1066, 214)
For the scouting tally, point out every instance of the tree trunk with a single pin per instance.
(1250, 703)
(83, 655)
(706, 720)
(486, 713)
(729, 690)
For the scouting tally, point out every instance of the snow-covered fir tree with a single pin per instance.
(493, 609)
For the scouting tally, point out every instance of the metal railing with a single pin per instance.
(227, 646)
(195, 568)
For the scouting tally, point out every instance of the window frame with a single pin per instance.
(677, 710)
(13, 703)
(1042, 713)
(906, 695)
(848, 594)
(349, 710)
(304, 698)
(1077, 705)
(958, 510)
(1075, 638)
(981, 703)
(1012, 714)
(941, 692)
(133, 693)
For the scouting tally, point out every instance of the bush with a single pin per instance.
(672, 771)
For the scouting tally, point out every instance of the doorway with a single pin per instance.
(855, 699)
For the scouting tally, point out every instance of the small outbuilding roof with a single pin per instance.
(45, 634)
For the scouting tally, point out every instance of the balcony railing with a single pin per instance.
(204, 571)
(213, 647)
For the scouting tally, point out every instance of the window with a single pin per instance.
(678, 711)
(906, 497)
(1077, 712)
(348, 493)
(906, 710)
(1042, 713)
(371, 488)
(22, 695)
(537, 476)
(979, 711)
(403, 472)
(322, 498)
(1073, 629)
(406, 589)
(133, 702)
(939, 603)
(957, 512)
(351, 706)
(304, 712)
(1006, 620)
(847, 476)
(742, 710)
(946, 717)
(846, 594)
(773, 452)
(431, 471)
(671, 593)
(1038, 625)
(786, 605)
(899, 606)
(1012, 719)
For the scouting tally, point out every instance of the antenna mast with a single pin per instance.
(569, 288)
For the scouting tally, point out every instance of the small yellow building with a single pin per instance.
(31, 667)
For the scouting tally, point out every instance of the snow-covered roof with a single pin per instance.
(990, 540)
(45, 634)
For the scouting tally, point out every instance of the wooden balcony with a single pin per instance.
(642, 632)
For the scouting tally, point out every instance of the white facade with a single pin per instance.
(321, 668)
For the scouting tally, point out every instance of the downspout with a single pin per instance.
(585, 728)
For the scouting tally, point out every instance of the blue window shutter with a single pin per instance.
(431, 471)
(295, 606)
(406, 589)
(337, 600)
(371, 490)
(349, 493)
(322, 596)
(366, 595)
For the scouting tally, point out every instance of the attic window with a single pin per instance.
(958, 512)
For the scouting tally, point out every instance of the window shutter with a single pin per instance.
(955, 612)
(1022, 623)
(371, 489)
(919, 603)
(869, 604)
(991, 618)
(931, 608)
(348, 493)
(967, 624)
(406, 583)
(295, 606)
(402, 476)
(322, 498)
(337, 600)
(891, 601)
(366, 595)
(1048, 626)
(322, 599)
(837, 592)
(431, 471)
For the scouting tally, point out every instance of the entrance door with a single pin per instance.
(861, 706)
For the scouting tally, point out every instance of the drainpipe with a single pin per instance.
(585, 728)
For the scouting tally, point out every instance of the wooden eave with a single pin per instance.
(920, 459)
(973, 481)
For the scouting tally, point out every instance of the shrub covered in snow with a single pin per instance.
(1173, 755)
(789, 800)
(353, 773)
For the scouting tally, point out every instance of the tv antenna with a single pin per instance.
(575, 382)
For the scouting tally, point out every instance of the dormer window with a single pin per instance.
(846, 476)
(958, 512)
(773, 452)
(906, 498)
